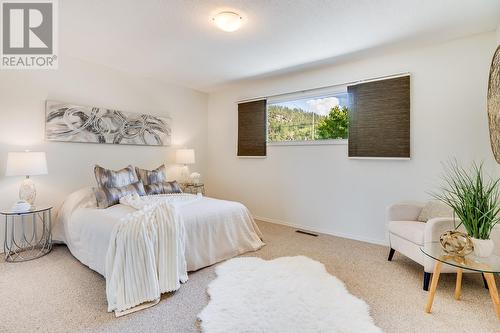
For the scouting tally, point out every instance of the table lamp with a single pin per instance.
(26, 164)
(185, 157)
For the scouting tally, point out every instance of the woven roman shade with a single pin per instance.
(252, 127)
(379, 118)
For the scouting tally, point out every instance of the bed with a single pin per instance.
(216, 230)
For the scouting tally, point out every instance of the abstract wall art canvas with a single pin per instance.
(494, 104)
(77, 123)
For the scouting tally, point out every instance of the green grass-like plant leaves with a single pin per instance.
(474, 199)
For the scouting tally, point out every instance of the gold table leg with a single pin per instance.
(458, 286)
(490, 279)
(434, 282)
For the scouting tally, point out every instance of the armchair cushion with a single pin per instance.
(412, 231)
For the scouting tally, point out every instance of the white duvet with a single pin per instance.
(215, 229)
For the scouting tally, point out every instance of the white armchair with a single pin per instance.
(407, 235)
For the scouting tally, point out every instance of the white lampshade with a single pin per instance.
(184, 156)
(26, 164)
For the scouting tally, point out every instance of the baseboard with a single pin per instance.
(338, 234)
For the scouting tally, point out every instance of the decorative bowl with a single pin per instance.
(456, 243)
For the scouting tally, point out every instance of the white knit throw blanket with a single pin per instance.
(145, 257)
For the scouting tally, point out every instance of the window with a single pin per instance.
(373, 114)
(318, 117)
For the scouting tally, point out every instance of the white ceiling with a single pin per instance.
(175, 40)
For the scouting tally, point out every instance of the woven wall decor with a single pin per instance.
(494, 104)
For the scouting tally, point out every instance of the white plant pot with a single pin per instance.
(483, 247)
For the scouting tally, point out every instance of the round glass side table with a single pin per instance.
(193, 188)
(487, 266)
(28, 235)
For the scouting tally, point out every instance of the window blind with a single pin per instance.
(379, 118)
(252, 127)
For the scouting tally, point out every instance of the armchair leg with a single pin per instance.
(391, 254)
(427, 279)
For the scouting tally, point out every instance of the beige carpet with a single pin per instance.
(58, 294)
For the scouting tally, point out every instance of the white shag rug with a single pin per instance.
(287, 294)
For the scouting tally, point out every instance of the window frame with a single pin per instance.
(313, 93)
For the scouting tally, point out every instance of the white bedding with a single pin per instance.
(215, 229)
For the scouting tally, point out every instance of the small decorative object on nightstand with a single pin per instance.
(28, 235)
(193, 188)
(195, 178)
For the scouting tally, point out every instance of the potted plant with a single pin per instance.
(475, 202)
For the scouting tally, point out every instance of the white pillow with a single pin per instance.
(434, 208)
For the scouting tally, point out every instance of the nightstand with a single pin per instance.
(28, 235)
(193, 188)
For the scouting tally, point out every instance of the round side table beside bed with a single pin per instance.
(486, 266)
(193, 188)
(27, 234)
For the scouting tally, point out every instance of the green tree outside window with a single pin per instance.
(335, 125)
(287, 124)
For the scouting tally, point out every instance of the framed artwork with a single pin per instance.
(89, 124)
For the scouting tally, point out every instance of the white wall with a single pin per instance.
(318, 187)
(70, 165)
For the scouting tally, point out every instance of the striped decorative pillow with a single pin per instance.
(109, 196)
(155, 181)
(111, 178)
(148, 177)
(163, 188)
(112, 185)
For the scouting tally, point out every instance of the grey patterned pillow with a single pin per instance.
(110, 178)
(163, 188)
(148, 177)
(109, 196)
(433, 209)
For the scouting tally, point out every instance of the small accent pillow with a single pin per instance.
(148, 177)
(111, 178)
(109, 196)
(163, 188)
(434, 209)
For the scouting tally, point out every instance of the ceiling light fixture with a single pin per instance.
(228, 21)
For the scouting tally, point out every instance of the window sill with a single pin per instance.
(309, 143)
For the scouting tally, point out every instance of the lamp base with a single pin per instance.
(27, 191)
(185, 174)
